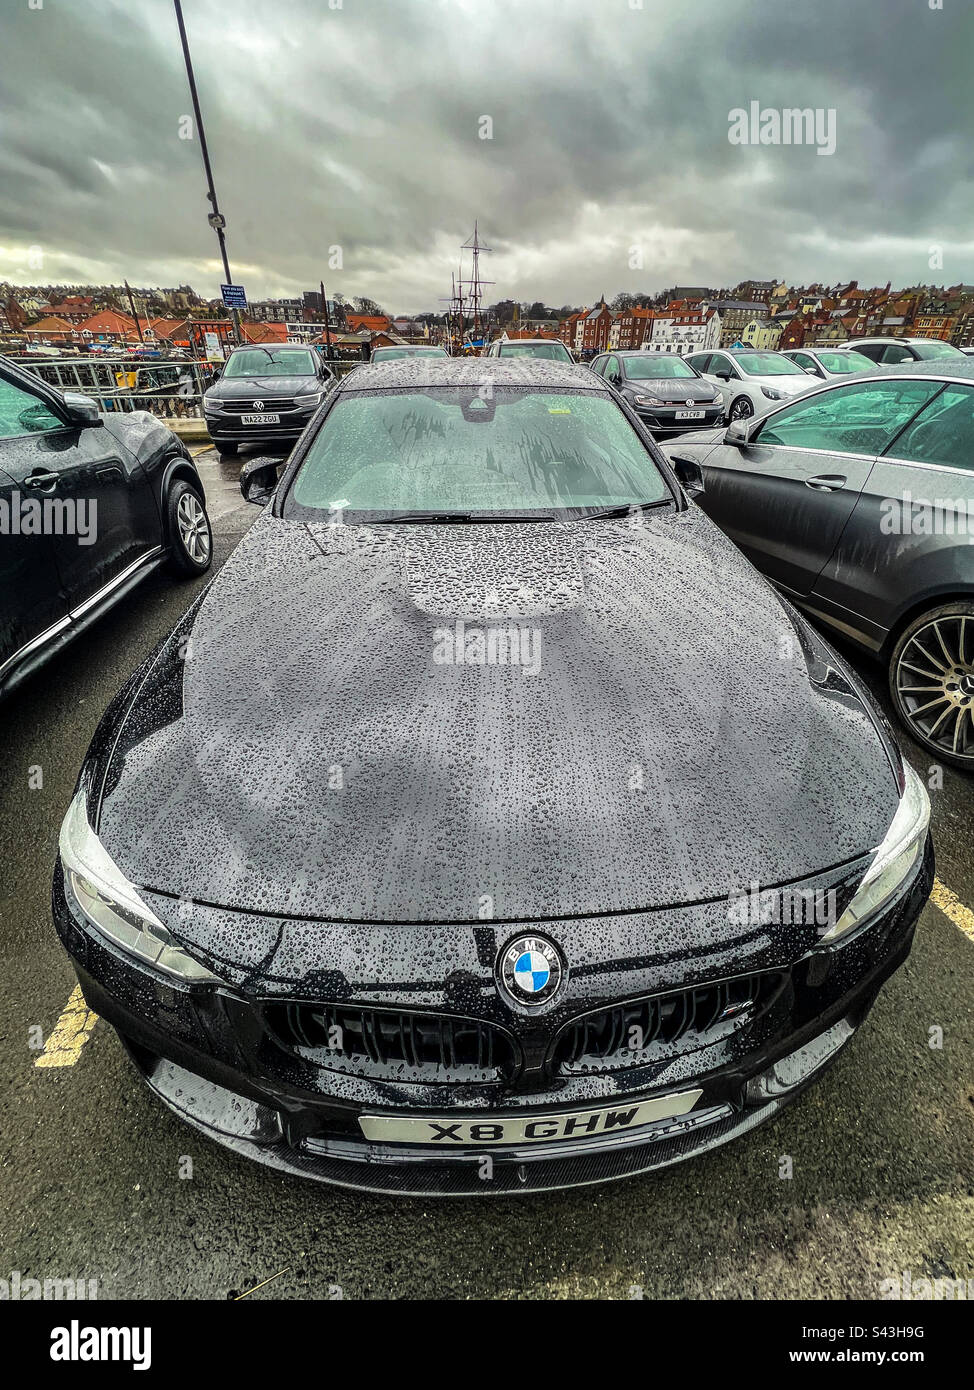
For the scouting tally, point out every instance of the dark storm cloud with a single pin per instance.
(358, 127)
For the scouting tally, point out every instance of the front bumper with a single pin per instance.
(202, 1051)
(661, 420)
(225, 427)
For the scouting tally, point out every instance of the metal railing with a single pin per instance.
(171, 388)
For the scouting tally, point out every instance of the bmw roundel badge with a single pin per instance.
(530, 970)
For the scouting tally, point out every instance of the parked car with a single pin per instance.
(393, 354)
(666, 392)
(826, 363)
(545, 349)
(891, 351)
(265, 394)
(858, 502)
(438, 851)
(750, 379)
(90, 504)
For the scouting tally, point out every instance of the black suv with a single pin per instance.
(90, 504)
(266, 394)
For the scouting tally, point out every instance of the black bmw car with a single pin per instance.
(666, 392)
(266, 394)
(504, 830)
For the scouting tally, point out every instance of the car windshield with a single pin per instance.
(261, 361)
(553, 352)
(844, 363)
(766, 364)
(651, 368)
(933, 347)
(505, 452)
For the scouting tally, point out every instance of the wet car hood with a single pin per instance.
(297, 748)
(262, 387)
(674, 388)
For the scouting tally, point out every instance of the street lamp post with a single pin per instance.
(215, 218)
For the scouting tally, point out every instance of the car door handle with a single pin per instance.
(42, 480)
(826, 482)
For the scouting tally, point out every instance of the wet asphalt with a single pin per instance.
(93, 1170)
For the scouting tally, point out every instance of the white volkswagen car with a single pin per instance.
(751, 380)
(827, 363)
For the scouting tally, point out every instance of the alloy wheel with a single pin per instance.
(194, 531)
(741, 409)
(934, 683)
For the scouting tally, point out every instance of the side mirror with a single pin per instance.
(689, 475)
(737, 434)
(811, 371)
(258, 479)
(723, 375)
(82, 410)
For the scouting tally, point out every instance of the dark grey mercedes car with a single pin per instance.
(857, 501)
(489, 824)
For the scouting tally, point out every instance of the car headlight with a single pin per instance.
(216, 401)
(893, 859)
(112, 904)
(773, 394)
(639, 398)
(314, 399)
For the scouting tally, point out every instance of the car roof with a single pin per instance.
(961, 367)
(638, 352)
(883, 338)
(474, 371)
(528, 342)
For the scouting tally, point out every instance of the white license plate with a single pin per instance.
(446, 1131)
(689, 415)
(260, 419)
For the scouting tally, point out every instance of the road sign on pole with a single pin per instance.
(234, 296)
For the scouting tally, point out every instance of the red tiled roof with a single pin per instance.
(51, 324)
(108, 321)
(375, 323)
(264, 332)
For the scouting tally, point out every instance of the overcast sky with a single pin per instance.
(359, 126)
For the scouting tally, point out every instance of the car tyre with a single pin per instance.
(229, 449)
(190, 535)
(741, 409)
(931, 681)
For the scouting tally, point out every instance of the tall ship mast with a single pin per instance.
(474, 286)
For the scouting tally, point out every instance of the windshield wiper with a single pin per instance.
(626, 509)
(451, 519)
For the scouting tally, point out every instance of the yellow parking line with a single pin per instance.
(71, 1032)
(204, 448)
(262, 1283)
(951, 906)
